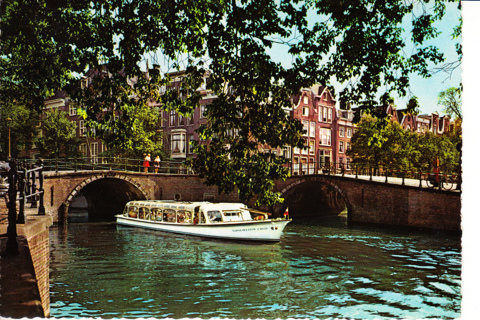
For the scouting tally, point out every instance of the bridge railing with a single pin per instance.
(112, 163)
(421, 177)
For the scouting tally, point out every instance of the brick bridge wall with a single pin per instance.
(367, 201)
(60, 188)
(390, 204)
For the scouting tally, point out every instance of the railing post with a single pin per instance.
(34, 189)
(12, 244)
(21, 209)
(41, 207)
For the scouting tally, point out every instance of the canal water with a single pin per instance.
(319, 269)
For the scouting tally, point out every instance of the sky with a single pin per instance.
(426, 90)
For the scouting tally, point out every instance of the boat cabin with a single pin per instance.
(187, 212)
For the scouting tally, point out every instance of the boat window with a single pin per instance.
(132, 212)
(144, 213)
(215, 216)
(202, 217)
(169, 215)
(156, 214)
(184, 216)
(233, 216)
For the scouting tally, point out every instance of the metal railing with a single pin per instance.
(113, 164)
(421, 177)
(25, 185)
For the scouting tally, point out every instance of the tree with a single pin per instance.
(358, 43)
(23, 128)
(58, 139)
(380, 142)
(451, 100)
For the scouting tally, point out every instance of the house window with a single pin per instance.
(296, 166)
(72, 110)
(83, 149)
(305, 150)
(104, 149)
(325, 137)
(178, 144)
(305, 127)
(342, 132)
(341, 147)
(82, 130)
(329, 114)
(349, 145)
(349, 132)
(287, 152)
(305, 100)
(296, 150)
(312, 128)
(305, 111)
(312, 147)
(349, 164)
(320, 113)
(190, 141)
(324, 157)
(325, 114)
(203, 111)
(172, 118)
(94, 152)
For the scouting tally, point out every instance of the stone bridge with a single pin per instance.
(364, 201)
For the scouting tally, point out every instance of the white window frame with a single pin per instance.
(94, 152)
(305, 111)
(341, 146)
(341, 131)
(312, 128)
(349, 132)
(305, 127)
(82, 130)
(326, 137)
(72, 110)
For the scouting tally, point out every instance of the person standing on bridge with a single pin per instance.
(146, 163)
(156, 164)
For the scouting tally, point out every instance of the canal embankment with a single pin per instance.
(24, 277)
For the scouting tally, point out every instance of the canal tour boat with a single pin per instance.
(233, 221)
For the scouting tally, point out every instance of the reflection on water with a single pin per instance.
(319, 270)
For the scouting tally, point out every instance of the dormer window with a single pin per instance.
(305, 99)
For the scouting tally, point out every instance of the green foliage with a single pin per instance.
(358, 43)
(23, 128)
(451, 100)
(383, 143)
(58, 139)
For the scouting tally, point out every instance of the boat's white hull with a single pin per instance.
(268, 230)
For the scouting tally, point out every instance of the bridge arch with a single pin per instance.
(106, 193)
(296, 182)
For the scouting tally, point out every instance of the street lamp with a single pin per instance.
(9, 124)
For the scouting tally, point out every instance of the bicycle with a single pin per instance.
(440, 181)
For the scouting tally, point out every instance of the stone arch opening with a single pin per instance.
(314, 197)
(100, 198)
